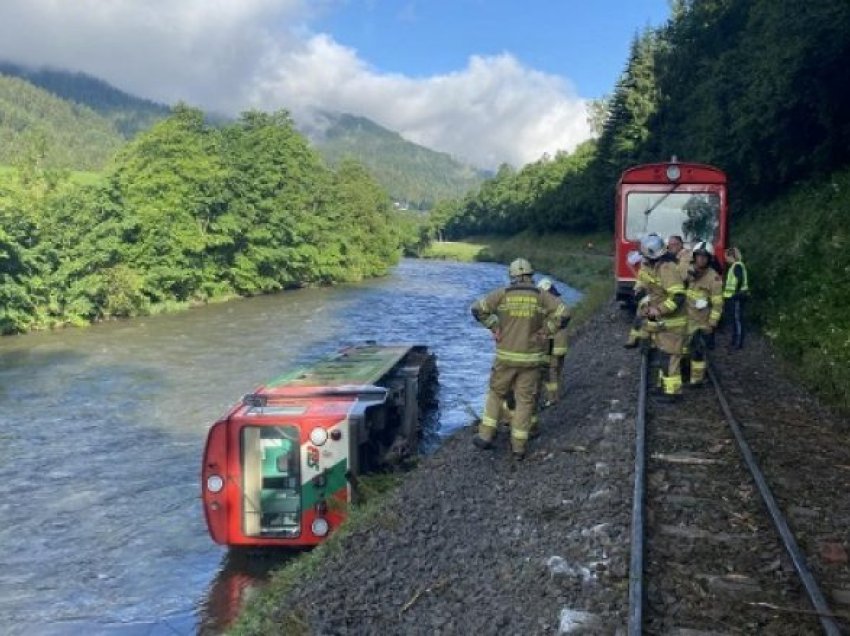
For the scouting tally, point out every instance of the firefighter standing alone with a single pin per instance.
(521, 319)
(735, 291)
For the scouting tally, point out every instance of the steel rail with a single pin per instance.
(636, 562)
(830, 627)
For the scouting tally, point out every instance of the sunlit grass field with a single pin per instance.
(580, 260)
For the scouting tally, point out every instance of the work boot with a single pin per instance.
(518, 455)
(481, 443)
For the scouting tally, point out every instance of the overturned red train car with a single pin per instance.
(673, 198)
(278, 468)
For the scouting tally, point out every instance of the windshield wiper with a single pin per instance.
(650, 209)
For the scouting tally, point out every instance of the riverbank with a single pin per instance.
(583, 261)
(562, 256)
(471, 541)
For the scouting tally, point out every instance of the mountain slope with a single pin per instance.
(411, 173)
(69, 135)
(128, 113)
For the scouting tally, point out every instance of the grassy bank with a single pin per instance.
(796, 251)
(264, 614)
(582, 261)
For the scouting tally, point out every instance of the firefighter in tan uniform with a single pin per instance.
(705, 306)
(553, 369)
(676, 247)
(637, 334)
(521, 317)
(664, 311)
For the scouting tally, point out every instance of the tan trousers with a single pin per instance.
(525, 383)
(671, 343)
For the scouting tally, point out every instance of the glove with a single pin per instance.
(700, 303)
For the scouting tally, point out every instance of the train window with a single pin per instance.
(693, 215)
(271, 481)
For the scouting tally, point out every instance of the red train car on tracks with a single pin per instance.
(688, 199)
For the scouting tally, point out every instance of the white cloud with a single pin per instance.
(228, 55)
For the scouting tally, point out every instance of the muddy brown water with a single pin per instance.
(102, 429)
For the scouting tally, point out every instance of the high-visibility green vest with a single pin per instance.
(729, 289)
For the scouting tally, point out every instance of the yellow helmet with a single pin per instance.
(520, 267)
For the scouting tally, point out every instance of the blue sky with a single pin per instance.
(584, 41)
(488, 81)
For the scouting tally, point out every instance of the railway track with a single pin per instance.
(711, 550)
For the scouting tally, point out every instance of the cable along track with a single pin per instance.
(711, 550)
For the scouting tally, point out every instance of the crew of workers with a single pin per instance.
(527, 323)
(680, 298)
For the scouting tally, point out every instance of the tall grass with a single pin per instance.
(797, 251)
(579, 260)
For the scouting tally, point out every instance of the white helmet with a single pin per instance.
(703, 247)
(652, 246)
(545, 284)
(520, 267)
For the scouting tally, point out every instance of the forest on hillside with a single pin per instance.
(414, 176)
(186, 212)
(72, 136)
(127, 113)
(760, 88)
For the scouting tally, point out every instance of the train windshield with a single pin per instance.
(695, 216)
(271, 481)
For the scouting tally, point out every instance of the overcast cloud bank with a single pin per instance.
(230, 55)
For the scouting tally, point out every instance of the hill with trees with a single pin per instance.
(187, 212)
(129, 114)
(413, 175)
(66, 135)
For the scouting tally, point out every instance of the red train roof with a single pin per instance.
(657, 173)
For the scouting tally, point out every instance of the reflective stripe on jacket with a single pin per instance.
(522, 313)
(666, 289)
(704, 286)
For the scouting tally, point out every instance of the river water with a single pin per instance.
(102, 430)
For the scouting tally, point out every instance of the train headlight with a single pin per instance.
(318, 436)
(320, 526)
(215, 483)
(673, 172)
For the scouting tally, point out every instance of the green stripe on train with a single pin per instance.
(336, 480)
